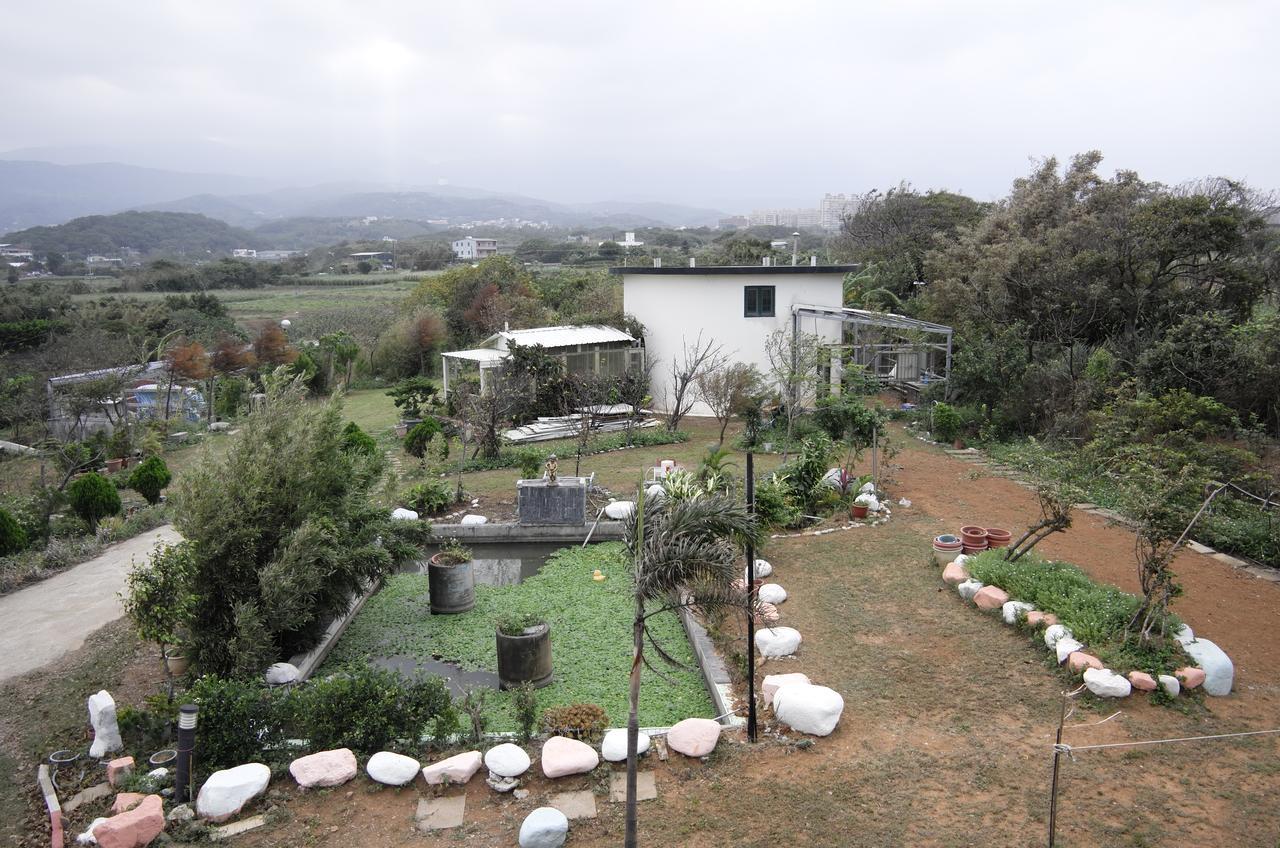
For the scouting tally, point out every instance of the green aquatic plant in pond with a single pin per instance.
(590, 642)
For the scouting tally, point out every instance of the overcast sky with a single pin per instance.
(732, 105)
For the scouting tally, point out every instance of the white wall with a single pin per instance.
(676, 307)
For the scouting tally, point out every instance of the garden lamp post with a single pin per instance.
(187, 714)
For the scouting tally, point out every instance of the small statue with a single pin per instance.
(552, 465)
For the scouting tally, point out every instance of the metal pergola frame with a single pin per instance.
(865, 318)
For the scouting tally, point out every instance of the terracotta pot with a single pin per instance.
(114, 465)
(998, 538)
(176, 663)
(959, 444)
(974, 536)
(858, 511)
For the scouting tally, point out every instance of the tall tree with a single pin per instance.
(694, 361)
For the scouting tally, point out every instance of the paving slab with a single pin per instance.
(578, 805)
(646, 787)
(239, 827)
(440, 813)
(1200, 549)
(93, 793)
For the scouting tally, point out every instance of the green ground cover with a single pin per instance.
(590, 638)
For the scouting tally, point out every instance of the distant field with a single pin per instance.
(277, 302)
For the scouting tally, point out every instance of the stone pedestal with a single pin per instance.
(543, 503)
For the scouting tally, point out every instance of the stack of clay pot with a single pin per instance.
(973, 539)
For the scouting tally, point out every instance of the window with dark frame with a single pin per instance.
(758, 302)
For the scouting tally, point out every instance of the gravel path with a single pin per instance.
(45, 621)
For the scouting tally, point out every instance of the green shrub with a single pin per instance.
(453, 552)
(150, 478)
(239, 719)
(774, 503)
(531, 461)
(515, 622)
(946, 423)
(93, 497)
(417, 439)
(524, 702)
(355, 440)
(158, 598)
(429, 497)
(12, 537)
(369, 710)
(577, 721)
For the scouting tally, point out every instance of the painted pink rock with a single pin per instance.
(694, 737)
(773, 682)
(1078, 661)
(327, 768)
(118, 768)
(954, 574)
(991, 598)
(457, 769)
(562, 756)
(126, 801)
(1141, 680)
(1190, 676)
(768, 613)
(1036, 618)
(133, 829)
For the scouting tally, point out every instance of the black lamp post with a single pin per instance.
(187, 714)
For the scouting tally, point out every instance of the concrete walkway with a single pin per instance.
(42, 622)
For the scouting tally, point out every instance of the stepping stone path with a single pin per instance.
(694, 737)
(575, 805)
(646, 786)
(440, 813)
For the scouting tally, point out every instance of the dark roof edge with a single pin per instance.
(739, 269)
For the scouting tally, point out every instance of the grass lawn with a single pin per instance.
(590, 638)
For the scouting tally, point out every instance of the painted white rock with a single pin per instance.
(808, 709)
(833, 478)
(1184, 634)
(614, 746)
(282, 673)
(1011, 609)
(507, 760)
(545, 827)
(961, 559)
(772, 593)
(694, 737)
(656, 492)
(391, 768)
(402, 514)
(226, 792)
(763, 568)
(456, 769)
(1065, 647)
(773, 682)
(777, 641)
(562, 756)
(969, 588)
(472, 519)
(106, 731)
(1105, 683)
(1170, 684)
(619, 510)
(1053, 633)
(868, 488)
(324, 768)
(1219, 671)
(87, 838)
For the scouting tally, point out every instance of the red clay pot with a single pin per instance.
(858, 511)
(998, 538)
(974, 536)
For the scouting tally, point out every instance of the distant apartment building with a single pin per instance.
(835, 208)
(474, 248)
(733, 222)
(799, 219)
(244, 253)
(628, 240)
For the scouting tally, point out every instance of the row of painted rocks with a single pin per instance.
(805, 707)
(1214, 670)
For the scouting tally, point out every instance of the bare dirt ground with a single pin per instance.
(949, 714)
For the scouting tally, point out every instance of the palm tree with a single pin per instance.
(682, 554)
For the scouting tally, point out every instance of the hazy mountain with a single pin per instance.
(34, 193)
(150, 233)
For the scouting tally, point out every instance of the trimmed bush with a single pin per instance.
(239, 719)
(416, 440)
(12, 537)
(355, 440)
(429, 497)
(150, 478)
(369, 710)
(92, 497)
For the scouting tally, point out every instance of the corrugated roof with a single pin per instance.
(480, 354)
(551, 337)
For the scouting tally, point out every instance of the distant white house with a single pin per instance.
(739, 307)
(471, 247)
(589, 349)
(244, 253)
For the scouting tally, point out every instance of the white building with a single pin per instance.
(594, 349)
(736, 306)
(244, 253)
(471, 247)
(835, 207)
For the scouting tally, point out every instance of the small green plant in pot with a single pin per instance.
(159, 600)
(451, 579)
(524, 650)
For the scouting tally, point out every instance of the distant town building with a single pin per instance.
(244, 253)
(794, 218)
(835, 208)
(95, 259)
(629, 240)
(733, 222)
(277, 255)
(11, 252)
(471, 247)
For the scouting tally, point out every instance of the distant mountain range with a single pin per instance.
(36, 193)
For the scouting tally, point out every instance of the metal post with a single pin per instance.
(182, 788)
(1053, 790)
(751, 596)
(947, 376)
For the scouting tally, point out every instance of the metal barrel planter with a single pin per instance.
(452, 586)
(524, 657)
